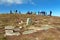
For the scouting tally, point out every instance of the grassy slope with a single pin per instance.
(9, 19)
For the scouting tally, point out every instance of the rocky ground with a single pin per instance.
(42, 28)
(50, 34)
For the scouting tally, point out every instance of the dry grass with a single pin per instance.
(51, 34)
(10, 19)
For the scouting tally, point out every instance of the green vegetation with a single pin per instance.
(3, 38)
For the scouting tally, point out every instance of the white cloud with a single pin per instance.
(11, 1)
(31, 2)
(16, 1)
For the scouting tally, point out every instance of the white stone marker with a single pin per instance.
(29, 21)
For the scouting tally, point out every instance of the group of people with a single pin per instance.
(39, 13)
(44, 13)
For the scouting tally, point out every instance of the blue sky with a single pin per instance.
(30, 5)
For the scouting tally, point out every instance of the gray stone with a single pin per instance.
(29, 21)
